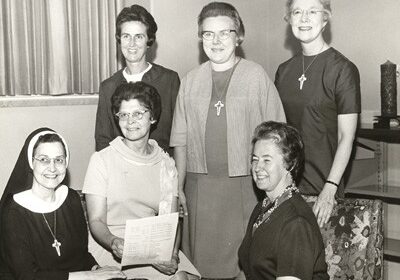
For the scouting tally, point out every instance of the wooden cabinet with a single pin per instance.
(381, 190)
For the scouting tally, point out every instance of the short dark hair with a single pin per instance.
(49, 138)
(145, 94)
(215, 9)
(140, 14)
(289, 141)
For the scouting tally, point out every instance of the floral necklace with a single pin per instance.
(268, 206)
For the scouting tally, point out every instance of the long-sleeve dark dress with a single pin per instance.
(28, 242)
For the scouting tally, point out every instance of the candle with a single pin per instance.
(388, 89)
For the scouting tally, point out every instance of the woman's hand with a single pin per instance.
(180, 161)
(324, 205)
(347, 126)
(167, 268)
(108, 272)
(101, 273)
(117, 246)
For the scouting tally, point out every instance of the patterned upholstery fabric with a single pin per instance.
(353, 239)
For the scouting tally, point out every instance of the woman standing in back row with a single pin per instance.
(218, 106)
(136, 33)
(320, 92)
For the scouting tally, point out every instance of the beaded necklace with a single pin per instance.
(268, 206)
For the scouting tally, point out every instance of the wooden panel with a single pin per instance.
(391, 248)
(386, 192)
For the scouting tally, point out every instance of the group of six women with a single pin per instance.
(224, 125)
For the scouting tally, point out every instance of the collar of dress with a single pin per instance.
(33, 203)
(168, 172)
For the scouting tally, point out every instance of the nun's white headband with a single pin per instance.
(36, 138)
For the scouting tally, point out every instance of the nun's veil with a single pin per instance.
(21, 177)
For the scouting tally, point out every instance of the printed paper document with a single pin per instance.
(149, 240)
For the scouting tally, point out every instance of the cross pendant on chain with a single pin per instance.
(57, 246)
(302, 79)
(219, 105)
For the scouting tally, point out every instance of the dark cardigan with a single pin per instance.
(167, 84)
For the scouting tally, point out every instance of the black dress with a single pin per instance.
(332, 88)
(288, 244)
(28, 242)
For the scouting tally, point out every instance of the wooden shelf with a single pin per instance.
(391, 248)
(384, 193)
(379, 134)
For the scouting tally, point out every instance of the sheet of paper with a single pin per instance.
(149, 240)
(147, 272)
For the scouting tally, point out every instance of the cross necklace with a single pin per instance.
(219, 105)
(303, 77)
(56, 244)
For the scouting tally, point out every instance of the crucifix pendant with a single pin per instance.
(219, 105)
(302, 79)
(57, 246)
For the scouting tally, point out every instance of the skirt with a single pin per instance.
(219, 209)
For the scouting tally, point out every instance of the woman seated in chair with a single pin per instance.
(132, 178)
(283, 240)
(43, 229)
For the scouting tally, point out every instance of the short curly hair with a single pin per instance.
(145, 94)
(140, 14)
(326, 4)
(215, 9)
(287, 139)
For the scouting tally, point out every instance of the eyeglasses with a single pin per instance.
(222, 35)
(138, 38)
(137, 115)
(298, 13)
(45, 161)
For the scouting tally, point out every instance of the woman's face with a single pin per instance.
(49, 165)
(268, 167)
(307, 20)
(137, 126)
(220, 51)
(134, 41)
